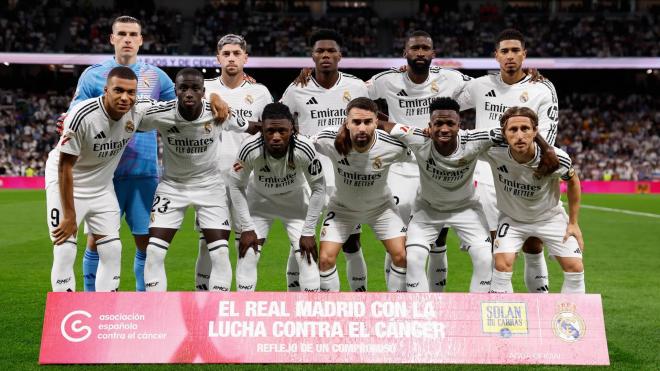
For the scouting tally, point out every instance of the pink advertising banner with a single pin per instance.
(276, 327)
(22, 182)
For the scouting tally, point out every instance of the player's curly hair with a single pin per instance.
(510, 34)
(444, 103)
(549, 162)
(275, 111)
(326, 34)
(343, 143)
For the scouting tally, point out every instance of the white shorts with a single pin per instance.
(426, 222)
(290, 208)
(404, 182)
(488, 200)
(100, 212)
(512, 234)
(233, 214)
(170, 204)
(339, 223)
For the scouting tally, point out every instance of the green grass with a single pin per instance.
(621, 261)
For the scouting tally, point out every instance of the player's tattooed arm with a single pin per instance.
(535, 74)
(303, 77)
(574, 193)
(68, 225)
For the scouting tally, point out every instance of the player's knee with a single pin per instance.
(351, 245)
(109, 246)
(481, 256)
(416, 257)
(572, 265)
(503, 263)
(533, 245)
(326, 261)
(399, 259)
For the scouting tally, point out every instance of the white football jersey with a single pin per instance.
(408, 102)
(520, 195)
(247, 101)
(490, 96)
(97, 140)
(273, 176)
(318, 108)
(361, 178)
(446, 181)
(190, 148)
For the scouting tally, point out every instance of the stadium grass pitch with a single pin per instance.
(622, 263)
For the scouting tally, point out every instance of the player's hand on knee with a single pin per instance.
(308, 249)
(303, 77)
(248, 240)
(535, 74)
(63, 231)
(59, 124)
(575, 231)
(220, 108)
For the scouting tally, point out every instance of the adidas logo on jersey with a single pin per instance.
(265, 169)
(503, 169)
(312, 101)
(344, 161)
(226, 223)
(431, 162)
(491, 94)
(402, 93)
(100, 135)
(173, 130)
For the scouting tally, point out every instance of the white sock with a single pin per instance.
(416, 280)
(482, 268)
(292, 272)
(155, 278)
(221, 272)
(61, 274)
(356, 271)
(109, 271)
(536, 273)
(397, 280)
(388, 263)
(310, 279)
(573, 283)
(329, 280)
(246, 270)
(202, 266)
(501, 282)
(437, 270)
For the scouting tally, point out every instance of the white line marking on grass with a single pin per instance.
(622, 211)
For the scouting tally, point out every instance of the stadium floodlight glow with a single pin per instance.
(203, 70)
(6, 63)
(197, 61)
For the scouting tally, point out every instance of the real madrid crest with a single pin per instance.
(249, 99)
(207, 128)
(129, 127)
(434, 87)
(378, 163)
(347, 96)
(524, 97)
(568, 325)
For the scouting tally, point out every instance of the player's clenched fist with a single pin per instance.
(308, 249)
(248, 240)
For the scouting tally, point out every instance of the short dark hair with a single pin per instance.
(189, 71)
(419, 33)
(276, 110)
(517, 112)
(444, 103)
(126, 19)
(326, 34)
(362, 103)
(122, 72)
(510, 34)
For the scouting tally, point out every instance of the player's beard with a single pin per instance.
(419, 68)
(363, 141)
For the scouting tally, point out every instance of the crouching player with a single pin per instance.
(79, 173)
(361, 157)
(190, 133)
(281, 162)
(527, 188)
(446, 197)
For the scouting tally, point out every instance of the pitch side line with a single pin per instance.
(622, 211)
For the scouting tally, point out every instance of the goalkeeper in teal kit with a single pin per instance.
(136, 177)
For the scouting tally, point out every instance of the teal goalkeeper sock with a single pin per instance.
(138, 269)
(90, 265)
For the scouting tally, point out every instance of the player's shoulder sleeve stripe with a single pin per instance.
(385, 73)
(161, 108)
(306, 149)
(563, 157)
(390, 139)
(250, 147)
(82, 113)
(350, 76)
(473, 137)
(418, 131)
(551, 87)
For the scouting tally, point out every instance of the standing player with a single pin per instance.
(361, 157)
(136, 176)
(78, 178)
(408, 95)
(446, 194)
(528, 200)
(322, 104)
(491, 95)
(247, 100)
(191, 178)
(282, 163)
